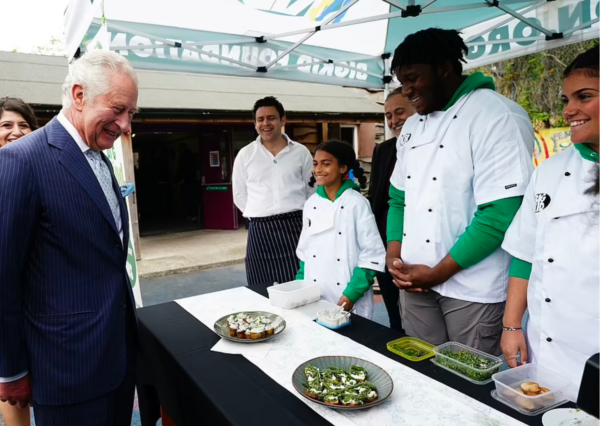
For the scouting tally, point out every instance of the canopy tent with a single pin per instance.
(341, 42)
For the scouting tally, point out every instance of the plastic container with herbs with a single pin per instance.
(411, 348)
(471, 364)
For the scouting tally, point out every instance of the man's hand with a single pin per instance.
(413, 278)
(16, 393)
(348, 304)
(512, 343)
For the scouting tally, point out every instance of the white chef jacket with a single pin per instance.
(557, 231)
(337, 237)
(449, 162)
(266, 185)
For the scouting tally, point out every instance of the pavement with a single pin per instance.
(170, 254)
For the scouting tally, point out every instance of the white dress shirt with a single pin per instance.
(64, 121)
(267, 185)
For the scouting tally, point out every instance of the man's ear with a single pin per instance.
(283, 120)
(77, 95)
(445, 69)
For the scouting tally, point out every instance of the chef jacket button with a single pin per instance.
(548, 299)
(441, 146)
(408, 177)
(338, 260)
(434, 178)
(404, 235)
(567, 174)
(315, 280)
(427, 241)
(413, 147)
(421, 119)
(556, 218)
(429, 210)
(338, 283)
(315, 208)
(340, 233)
(550, 260)
(275, 161)
(455, 117)
(342, 206)
(314, 255)
(548, 339)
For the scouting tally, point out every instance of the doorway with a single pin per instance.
(168, 174)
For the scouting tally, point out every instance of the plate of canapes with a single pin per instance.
(343, 382)
(249, 327)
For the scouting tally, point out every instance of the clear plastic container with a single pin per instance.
(411, 348)
(508, 388)
(479, 375)
(293, 294)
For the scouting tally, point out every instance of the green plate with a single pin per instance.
(411, 348)
(376, 375)
(221, 327)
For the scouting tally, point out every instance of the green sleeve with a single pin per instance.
(395, 219)
(300, 274)
(519, 269)
(360, 282)
(486, 232)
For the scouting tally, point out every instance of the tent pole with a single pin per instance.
(313, 32)
(505, 21)
(387, 77)
(520, 17)
(578, 27)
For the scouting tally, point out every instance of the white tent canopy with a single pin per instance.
(341, 42)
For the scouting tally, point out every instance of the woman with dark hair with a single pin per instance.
(17, 119)
(340, 247)
(554, 243)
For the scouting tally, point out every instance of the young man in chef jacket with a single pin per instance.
(464, 161)
(555, 243)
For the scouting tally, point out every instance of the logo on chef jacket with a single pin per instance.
(541, 202)
(404, 138)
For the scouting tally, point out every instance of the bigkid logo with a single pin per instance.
(314, 10)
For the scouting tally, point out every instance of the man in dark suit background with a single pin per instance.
(397, 111)
(67, 314)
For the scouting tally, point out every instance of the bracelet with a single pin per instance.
(511, 328)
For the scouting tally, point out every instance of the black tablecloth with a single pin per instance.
(198, 387)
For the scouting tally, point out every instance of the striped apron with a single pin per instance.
(271, 251)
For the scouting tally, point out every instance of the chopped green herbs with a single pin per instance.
(471, 360)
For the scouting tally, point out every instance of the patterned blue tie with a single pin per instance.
(104, 178)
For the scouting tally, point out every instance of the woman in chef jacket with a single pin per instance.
(554, 243)
(340, 247)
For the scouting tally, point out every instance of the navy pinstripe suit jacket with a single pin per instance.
(64, 289)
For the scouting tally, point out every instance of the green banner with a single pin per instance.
(306, 63)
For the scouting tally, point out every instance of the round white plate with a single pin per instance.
(559, 415)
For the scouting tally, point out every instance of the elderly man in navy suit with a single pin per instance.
(68, 329)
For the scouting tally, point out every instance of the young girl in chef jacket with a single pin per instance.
(340, 247)
(554, 243)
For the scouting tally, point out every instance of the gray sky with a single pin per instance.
(26, 24)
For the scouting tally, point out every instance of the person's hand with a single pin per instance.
(348, 306)
(16, 393)
(512, 343)
(413, 278)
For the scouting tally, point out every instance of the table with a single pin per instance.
(198, 387)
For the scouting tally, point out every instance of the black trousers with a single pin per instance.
(391, 298)
(271, 251)
(112, 409)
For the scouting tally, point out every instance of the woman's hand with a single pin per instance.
(348, 306)
(512, 343)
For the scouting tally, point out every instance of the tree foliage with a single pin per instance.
(535, 81)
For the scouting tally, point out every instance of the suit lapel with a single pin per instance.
(77, 165)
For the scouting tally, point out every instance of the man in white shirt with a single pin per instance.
(270, 187)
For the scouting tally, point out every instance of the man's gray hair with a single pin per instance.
(396, 91)
(94, 71)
